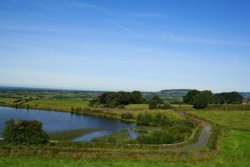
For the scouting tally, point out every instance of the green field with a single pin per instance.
(5, 100)
(231, 119)
(137, 106)
(231, 148)
(54, 104)
(59, 105)
(234, 151)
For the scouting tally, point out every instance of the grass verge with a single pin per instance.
(69, 135)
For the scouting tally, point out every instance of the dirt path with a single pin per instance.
(202, 141)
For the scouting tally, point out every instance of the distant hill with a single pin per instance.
(245, 94)
(168, 95)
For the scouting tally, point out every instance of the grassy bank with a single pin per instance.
(58, 105)
(234, 151)
(69, 135)
(118, 137)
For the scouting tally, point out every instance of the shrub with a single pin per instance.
(158, 118)
(139, 118)
(145, 119)
(165, 121)
(78, 109)
(180, 129)
(121, 106)
(24, 132)
(86, 109)
(127, 116)
(164, 106)
(154, 102)
(156, 137)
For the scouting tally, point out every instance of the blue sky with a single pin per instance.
(145, 45)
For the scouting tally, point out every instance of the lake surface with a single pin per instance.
(54, 121)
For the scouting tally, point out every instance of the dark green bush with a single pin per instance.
(180, 129)
(173, 135)
(121, 106)
(145, 119)
(24, 132)
(155, 102)
(171, 132)
(165, 121)
(164, 106)
(127, 116)
(86, 109)
(158, 118)
(78, 109)
(156, 137)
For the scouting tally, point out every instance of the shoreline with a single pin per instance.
(94, 112)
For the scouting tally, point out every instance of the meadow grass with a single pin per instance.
(137, 106)
(182, 107)
(51, 104)
(234, 151)
(171, 114)
(232, 107)
(4, 101)
(69, 135)
(59, 105)
(117, 137)
(231, 119)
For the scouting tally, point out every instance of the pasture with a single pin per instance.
(230, 119)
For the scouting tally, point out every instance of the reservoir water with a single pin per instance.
(54, 121)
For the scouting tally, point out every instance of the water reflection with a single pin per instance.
(54, 121)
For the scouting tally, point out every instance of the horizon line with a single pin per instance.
(99, 90)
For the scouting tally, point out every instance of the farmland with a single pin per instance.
(233, 151)
(229, 119)
(228, 144)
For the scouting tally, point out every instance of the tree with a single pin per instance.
(200, 101)
(154, 102)
(189, 97)
(227, 98)
(136, 97)
(208, 95)
(234, 98)
(116, 99)
(24, 132)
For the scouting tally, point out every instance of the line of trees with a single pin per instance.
(201, 99)
(118, 99)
